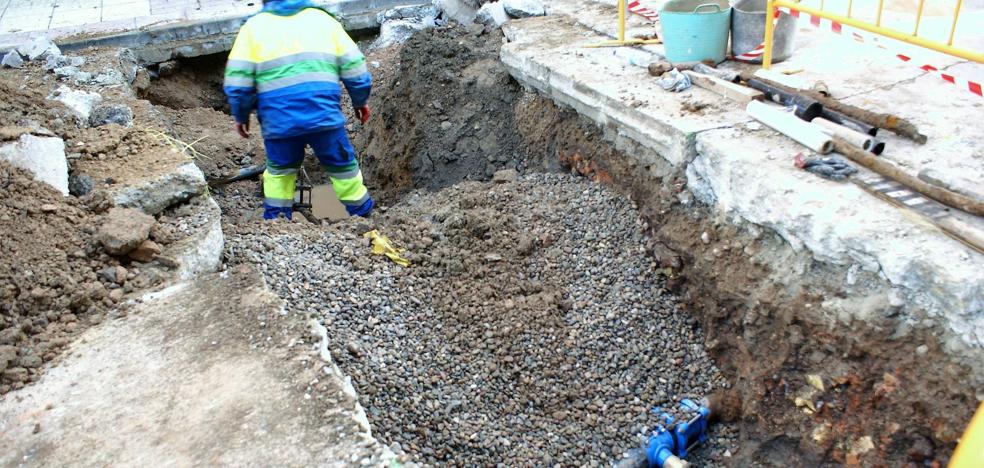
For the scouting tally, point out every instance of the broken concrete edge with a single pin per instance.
(200, 252)
(154, 194)
(203, 37)
(931, 275)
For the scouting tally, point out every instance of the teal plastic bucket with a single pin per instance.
(695, 30)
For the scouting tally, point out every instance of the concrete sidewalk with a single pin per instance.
(23, 19)
(87, 21)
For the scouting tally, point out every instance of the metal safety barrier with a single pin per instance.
(839, 21)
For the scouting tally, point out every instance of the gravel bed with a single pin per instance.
(530, 330)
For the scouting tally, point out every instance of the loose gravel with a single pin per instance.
(530, 330)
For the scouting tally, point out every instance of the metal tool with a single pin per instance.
(304, 187)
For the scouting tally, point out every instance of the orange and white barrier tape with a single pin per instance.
(636, 7)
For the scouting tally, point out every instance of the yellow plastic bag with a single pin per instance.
(381, 246)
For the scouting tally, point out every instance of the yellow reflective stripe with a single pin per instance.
(350, 191)
(279, 186)
(311, 31)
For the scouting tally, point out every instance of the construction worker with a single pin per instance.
(286, 63)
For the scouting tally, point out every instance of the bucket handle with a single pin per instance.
(715, 5)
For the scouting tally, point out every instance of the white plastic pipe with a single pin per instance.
(789, 125)
(856, 138)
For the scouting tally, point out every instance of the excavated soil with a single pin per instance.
(543, 317)
(446, 114)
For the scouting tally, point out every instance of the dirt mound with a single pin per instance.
(445, 116)
(221, 150)
(49, 277)
(188, 83)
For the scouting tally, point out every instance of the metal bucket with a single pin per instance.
(695, 30)
(748, 31)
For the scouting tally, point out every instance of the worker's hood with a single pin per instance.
(287, 7)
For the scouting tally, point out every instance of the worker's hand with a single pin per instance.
(242, 129)
(362, 113)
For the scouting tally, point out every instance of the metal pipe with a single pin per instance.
(621, 20)
(770, 28)
(806, 108)
(890, 33)
(953, 27)
(849, 122)
(915, 31)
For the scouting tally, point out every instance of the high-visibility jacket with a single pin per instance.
(287, 63)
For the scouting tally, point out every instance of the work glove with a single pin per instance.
(828, 167)
(242, 129)
(362, 113)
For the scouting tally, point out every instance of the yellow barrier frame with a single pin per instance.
(875, 28)
(622, 41)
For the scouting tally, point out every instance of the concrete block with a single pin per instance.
(201, 251)
(492, 15)
(80, 102)
(457, 10)
(41, 47)
(123, 230)
(523, 8)
(155, 194)
(111, 113)
(43, 156)
(12, 60)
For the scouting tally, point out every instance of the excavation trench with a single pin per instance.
(547, 312)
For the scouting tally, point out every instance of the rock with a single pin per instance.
(146, 251)
(40, 47)
(79, 185)
(398, 31)
(8, 355)
(446, 125)
(43, 156)
(108, 274)
(123, 230)
(110, 77)
(353, 348)
(11, 336)
(80, 102)
(505, 175)
(657, 69)
(82, 78)
(53, 62)
(116, 295)
(156, 194)
(12, 60)
(15, 374)
(523, 8)
(68, 72)
(49, 208)
(492, 15)
(111, 113)
(31, 361)
(457, 10)
(705, 238)
(128, 64)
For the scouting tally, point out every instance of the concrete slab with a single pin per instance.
(547, 53)
(203, 373)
